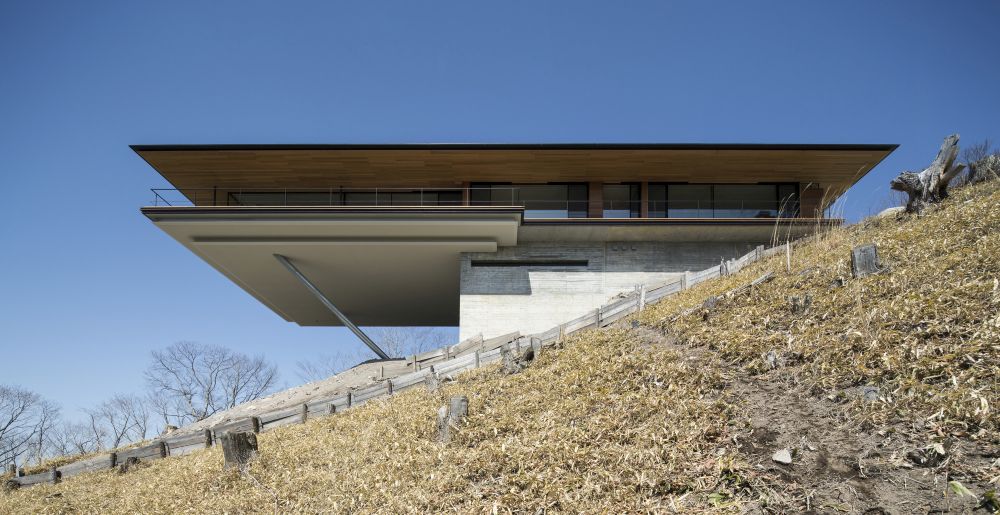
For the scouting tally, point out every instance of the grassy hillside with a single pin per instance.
(884, 392)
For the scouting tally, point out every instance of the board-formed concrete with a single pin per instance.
(536, 297)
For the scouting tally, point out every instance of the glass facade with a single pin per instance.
(622, 200)
(347, 198)
(561, 200)
(566, 200)
(723, 200)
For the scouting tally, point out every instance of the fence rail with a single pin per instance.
(446, 361)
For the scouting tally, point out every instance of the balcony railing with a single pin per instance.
(427, 197)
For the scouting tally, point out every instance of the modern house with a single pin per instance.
(490, 237)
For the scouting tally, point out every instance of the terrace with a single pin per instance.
(541, 201)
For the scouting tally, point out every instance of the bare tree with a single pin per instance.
(977, 151)
(122, 419)
(326, 365)
(25, 417)
(71, 438)
(48, 416)
(197, 380)
(395, 341)
(406, 341)
(983, 161)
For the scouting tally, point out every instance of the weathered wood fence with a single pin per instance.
(439, 363)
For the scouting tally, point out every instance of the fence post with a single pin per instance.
(390, 386)
(305, 412)
(415, 363)
(54, 475)
(255, 424)
(684, 281)
(478, 359)
(350, 398)
(208, 438)
(642, 297)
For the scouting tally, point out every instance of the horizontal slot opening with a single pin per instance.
(530, 262)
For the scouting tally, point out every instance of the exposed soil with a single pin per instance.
(837, 466)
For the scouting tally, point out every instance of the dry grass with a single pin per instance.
(927, 332)
(600, 425)
(610, 424)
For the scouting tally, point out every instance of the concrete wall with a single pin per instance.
(498, 300)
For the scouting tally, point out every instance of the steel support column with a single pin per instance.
(329, 305)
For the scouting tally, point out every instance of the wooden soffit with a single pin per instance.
(440, 165)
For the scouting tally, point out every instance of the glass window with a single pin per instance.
(788, 198)
(657, 203)
(445, 198)
(621, 200)
(689, 201)
(538, 200)
(281, 198)
(360, 198)
(746, 201)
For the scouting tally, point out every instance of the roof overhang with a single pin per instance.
(380, 267)
(834, 166)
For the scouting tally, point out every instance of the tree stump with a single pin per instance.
(800, 304)
(930, 185)
(432, 383)
(450, 417)
(511, 361)
(708, 307)
(238, 449)
(864, 260)
(130, 463)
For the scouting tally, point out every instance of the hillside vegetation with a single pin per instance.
(884, 392)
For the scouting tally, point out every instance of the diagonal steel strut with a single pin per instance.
(329, 305)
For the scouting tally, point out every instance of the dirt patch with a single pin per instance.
(837, 466)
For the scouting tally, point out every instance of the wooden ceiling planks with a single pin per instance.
(426, 166)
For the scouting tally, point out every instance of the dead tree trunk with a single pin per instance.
(239, 449)
(450, 417)
(864, 260)
(930, 185)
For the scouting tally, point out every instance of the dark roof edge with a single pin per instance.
(521, 146)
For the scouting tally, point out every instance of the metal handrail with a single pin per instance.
(509, 198)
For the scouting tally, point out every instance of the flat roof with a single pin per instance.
(835, 167)
(517, 146)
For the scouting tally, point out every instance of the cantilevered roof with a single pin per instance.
(836, 166)
(380, 267)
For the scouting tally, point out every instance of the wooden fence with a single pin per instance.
(444, 362)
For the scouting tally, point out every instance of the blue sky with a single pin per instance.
(89, 286)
